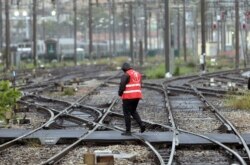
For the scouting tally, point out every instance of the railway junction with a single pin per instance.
(186, 121)
(60, 74)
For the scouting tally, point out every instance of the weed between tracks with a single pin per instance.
(238, 101)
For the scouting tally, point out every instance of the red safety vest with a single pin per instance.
(133, 88)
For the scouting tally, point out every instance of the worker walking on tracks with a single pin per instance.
(131, 93)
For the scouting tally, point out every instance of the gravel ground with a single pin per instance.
(36, 120)
(151, 107)
(81, 90)
(191, 114)
(239, 118)
(33, 154)
(141, 155)
(197, 122)
(200, 156)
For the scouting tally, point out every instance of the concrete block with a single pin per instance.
(89, 158)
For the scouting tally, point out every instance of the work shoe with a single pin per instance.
(126, 133)
(143, 128)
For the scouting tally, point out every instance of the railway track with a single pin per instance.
(181, 100)
(94, 112)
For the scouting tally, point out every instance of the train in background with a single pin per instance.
(63, 48)
(51, 49)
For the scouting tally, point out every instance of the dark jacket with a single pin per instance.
(124, 79)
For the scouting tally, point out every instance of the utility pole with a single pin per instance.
(246, 49)
(237, 57)
(43, 22)
(167, 37)
(140, 52)
(34, 33)
(90, 31)
(145, 29)
(7, 38)
(109, 29)
(203, 40)
(178, 30)
(131, 37)
(124, 27)
(1, 26)
(113, 27)
(75, 29)
(184, 31)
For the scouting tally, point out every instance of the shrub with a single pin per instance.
(8, 97)
(156, 72)
(69, 91)
(191, 64)
(177, 71)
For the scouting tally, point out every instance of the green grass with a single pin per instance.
(158, 69)
(238, 101)
(155, 72)
(69, 91)
(154, 65)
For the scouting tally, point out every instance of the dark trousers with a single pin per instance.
(129, 109)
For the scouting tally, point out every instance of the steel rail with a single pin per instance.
(88, 109)
(242, 161)
(51, 120)
(9, 143)
(171, 119)
(225, 121)
(166, 88)
(100, 123)
(175, 140)
(67, 114)
(162, 88)
(144, 121)
(161, 160)
(60, 155)
(188, 90)
(80, 99)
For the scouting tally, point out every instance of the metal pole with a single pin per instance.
(140, 53)
(246, 40)
(237, 57)
(124, 28)
(109, 29)
(145, 29)
(166, 37)
(223, 31)
(149, 31)
(7, 31)
(203, 40)
(131, 37)
(113, 27)
(34, 33)
(1, 26)
(43, 22)
(184, 31)
(90, 31)
(178, 30)
(75, 29)
(244, 48)
(157, 31)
